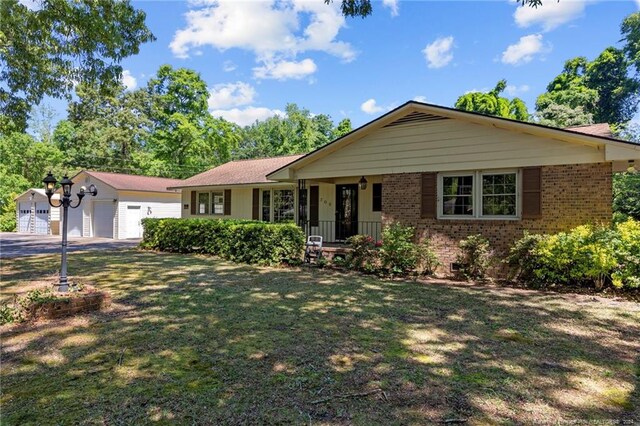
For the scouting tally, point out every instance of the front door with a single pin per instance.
(346, 211)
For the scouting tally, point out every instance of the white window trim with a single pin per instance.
(477, 195)
(272, 202)
(210, 206)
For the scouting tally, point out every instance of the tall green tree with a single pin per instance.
(184, 135)
(630, 30)
(297, 132)
(47, 48)
(602, 90)
(491, 103)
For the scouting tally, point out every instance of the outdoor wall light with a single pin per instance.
(363, 183)
(65, 202)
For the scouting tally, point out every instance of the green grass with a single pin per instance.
(194, 340)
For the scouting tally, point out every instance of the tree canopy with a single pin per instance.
(491, 103)
(46, 49)
(602, 90)
(363, 8)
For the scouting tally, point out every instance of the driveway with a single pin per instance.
(18, 245)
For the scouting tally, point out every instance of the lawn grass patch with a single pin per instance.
(191, 339)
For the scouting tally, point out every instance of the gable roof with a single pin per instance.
(415, 112)
(240, 172)
(599, 129)
(124, 182)
(38, 191)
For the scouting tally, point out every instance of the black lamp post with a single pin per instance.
(65, 202)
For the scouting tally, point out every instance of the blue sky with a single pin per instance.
(256, 56)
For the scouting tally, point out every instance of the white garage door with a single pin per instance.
(42, 218)
(103, 219)
(133, 227)
(24, 217)
(74, 227)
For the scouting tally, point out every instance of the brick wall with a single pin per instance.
(572, 195)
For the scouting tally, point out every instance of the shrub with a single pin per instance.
(587, 255)
(398, 253)
(475, 257)
(363, 255)
(237, 240)
(427, 258)
(8, 314)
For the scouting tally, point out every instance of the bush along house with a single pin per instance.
(448, 173)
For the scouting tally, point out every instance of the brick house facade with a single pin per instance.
(571, 195)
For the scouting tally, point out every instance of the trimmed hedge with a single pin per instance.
(237, 240)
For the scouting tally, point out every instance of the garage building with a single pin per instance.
(34, 215)
(122, 202)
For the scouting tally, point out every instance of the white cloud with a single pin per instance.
(129, 80)
(550, 15)
(284, 70)
(246, 116)
(370, 106)
(275, 30)
(638, 3)
(393, 5)
(422, 99)
(229, 66)
(512, 90)
(438, 54)
(524, 50)
(230, 95)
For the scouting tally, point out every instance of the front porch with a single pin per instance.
(337, 209)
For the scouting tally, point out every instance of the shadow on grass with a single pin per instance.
(197, 340)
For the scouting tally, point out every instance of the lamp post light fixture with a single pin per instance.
(363, 183)
(65, 202)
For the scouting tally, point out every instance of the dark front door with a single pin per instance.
(346, 211)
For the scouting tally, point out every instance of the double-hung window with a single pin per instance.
(203, 203)
(266, 205)
(283, 205)
(217, 202)
(480, 195)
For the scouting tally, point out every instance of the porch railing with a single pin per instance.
(333, 231)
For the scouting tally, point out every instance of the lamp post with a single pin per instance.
(65, 202)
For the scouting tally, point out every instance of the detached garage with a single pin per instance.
(34, 214)
(121, 204)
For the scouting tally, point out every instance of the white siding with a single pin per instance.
(446, 145)
(151, 205)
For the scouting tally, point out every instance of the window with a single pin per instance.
(283, 205)
(266, 205)
(217, 202)
(499, 194)
(203, 203)
(492, 194)
(377, 197)
(457, 195)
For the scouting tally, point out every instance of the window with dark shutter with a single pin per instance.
(314, 205)
(227, 202)
(193, 202)
(429, 193)
(377, 197)
(255, 211)
(532, 193)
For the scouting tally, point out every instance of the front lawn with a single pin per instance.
(194, 340)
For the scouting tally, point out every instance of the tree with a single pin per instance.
(47, 49)
(183, 133)
(567, 101)
(630, 30)
(617, 92)
(491, 103)
(297, 132)
(363, 8)
(343, 127)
